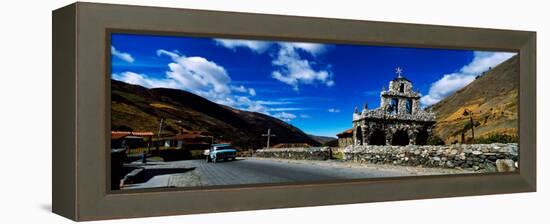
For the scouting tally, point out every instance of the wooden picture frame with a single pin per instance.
(81, 111)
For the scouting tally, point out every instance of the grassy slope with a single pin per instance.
(494, 99)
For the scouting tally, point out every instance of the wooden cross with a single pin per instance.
(268, 135)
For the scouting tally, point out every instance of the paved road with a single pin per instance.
(255, 170)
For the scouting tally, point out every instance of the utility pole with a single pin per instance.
(160, 130)
(469, 113)
(160, 126)
(268, 135)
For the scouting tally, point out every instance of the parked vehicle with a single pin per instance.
(219, 152)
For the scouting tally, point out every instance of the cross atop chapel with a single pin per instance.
(399, 71)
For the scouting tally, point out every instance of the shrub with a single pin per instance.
(338, 155)
(497, 138)
(435, 140)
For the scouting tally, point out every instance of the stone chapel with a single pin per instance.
(398, 121)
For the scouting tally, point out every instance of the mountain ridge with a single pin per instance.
(138, 108)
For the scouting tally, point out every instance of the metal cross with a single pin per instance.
(398, 71)
(268, 135)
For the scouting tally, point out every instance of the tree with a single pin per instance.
(435, 140)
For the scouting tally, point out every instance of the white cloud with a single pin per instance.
(452, 82)
(246, 103)
(256, 46)
(259, 46)
(286, 109)
(293, 70)
(312, 48)
(210, 80)
(265, 102)
(485, 60)
(174, 55)
(252, 91)
(197, 74)
(242, 89)
(304, 116)
(239, 89)
(446, 86)
(122, 55)
(333, 110)
(287, 117)
(144, 80)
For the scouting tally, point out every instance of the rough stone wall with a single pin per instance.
(394, 88)
(345, 141)
(380, 113)
(486, 157)
(312, 153)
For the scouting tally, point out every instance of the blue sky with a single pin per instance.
(313, 86)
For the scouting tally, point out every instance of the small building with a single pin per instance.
(398, 121)
(190, 140)
(130, 139)
(345, 138)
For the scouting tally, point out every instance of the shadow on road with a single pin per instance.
(226, 161)
(142, 175)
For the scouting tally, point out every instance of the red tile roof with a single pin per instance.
(123, 134)
(346, 132)
(143, 133)
(119, 134)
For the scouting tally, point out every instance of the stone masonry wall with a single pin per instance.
(484, 157)
(312, 153)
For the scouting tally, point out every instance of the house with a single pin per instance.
(130, 139)
(190, 140)
(345, 138)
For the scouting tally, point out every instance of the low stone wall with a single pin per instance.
(486, 157)
(312, 153)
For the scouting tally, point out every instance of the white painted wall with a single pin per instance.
(25, 91)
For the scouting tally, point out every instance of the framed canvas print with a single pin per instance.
(201, 111)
